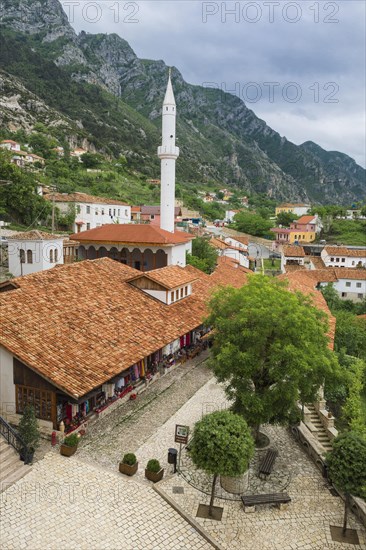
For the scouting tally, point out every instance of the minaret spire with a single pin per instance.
(168, 154)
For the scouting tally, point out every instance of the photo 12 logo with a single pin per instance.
(92, 12)
(290, 92)
(270, 12)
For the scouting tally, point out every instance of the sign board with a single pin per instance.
(181, 434)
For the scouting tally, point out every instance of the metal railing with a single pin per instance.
(14, 439)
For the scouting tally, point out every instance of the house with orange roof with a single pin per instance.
(91, 211)
(343, 256)
(141, 246)
(10, 145)
(292, 256)
(301, 231)
(235, 248)
(33, 251)
(76, 339)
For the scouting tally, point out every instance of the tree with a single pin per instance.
(204, 256)
(91, 160)
(251, 223)
(270, 348)
(346, 467)
(285, 218)
(221, 445)
(28, 430)
(350, 334)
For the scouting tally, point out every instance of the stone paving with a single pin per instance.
(64, 504)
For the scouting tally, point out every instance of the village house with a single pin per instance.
(299, 209)
(292, 258)
(76, 339)
(141, 246)
(303, 230)
(235, 248)
(342, 256)
(90, 211)
(230, 215)
(151, 214)
(77, 153)
(21, 158)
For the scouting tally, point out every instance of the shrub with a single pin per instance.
(71, 440)
(153, 466)
(129, 459)
(28, 428)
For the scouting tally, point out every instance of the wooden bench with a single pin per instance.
(266, 466)
(250, 501)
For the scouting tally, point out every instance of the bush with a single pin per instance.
(153, 466)
(28, 428)
(71, 440)
(129, 459)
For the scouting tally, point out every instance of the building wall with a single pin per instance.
(96, 214)
(177, 254)
(302, 236)
(42, 253)
(298, 210)
(7, 388)
(342, 261)
(350, 289)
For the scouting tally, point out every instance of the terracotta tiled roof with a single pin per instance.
(135, 208)
(293, 251)
(9, 141)
(35, 235)
(326, 275)
(305, 219)
(242, 240)
(317, 262)
(344, 251)
(132, 233)
(84, 198)
(170, 276)
(350, 273)
(82, 324)
(293, 267)
(219, 244)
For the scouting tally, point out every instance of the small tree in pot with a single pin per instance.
(28, 430)
(129, 464)
(153, 471)
(69, 445)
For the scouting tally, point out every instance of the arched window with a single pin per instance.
(56, 255)
(22, 256)
(29, 257)
(51, 256)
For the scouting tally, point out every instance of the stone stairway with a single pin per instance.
(11, 467)
(317, 429)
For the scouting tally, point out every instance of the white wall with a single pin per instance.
(300, 210)
(349, 261)
(7, 387)
(159, 294)
(352, 288)
(41, 255)
(177, 254)
(97, 214)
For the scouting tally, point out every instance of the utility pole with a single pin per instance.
(53, 210)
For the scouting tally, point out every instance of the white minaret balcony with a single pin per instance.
(168, 152)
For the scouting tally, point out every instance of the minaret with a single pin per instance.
(168, 154)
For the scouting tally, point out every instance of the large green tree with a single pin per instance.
(347, 467)
(221, 445)
(251, 223)
(270, 349)
(285, 218)
(203, 256)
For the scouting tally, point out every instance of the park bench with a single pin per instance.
(266, 465)
(250, 501)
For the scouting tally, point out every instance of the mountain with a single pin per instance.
(92, 90)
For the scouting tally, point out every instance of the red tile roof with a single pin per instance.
(305, 220)
(169, 277)
(132, 234)
(293, 251)
(36, 235)
(350, 273)
(344, 251)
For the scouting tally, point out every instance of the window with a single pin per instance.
(152, 217)
(177, 294)
(353, 263)
(360, 296)
(29, 257)
(51, 256)
(126, 212)
(348, 283)
(186, 291)
(118, 212)
(96, 212)
(88, 209)
(114, 211)
(181, 292)
(56, 255)
(78, 208)
(41, 400)
(110, 212)
(172, 296)
(22, 256)
(337, 259)
(344, 294)
(102, 211)
(358, 285)
(332, 259)
(343, 259)
(88, 226)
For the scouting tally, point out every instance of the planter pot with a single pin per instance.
(65, 450)
(154, 476)
(235, 485)
(26, 455)
(127, 469)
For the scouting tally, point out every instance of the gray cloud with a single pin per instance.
(319, 45)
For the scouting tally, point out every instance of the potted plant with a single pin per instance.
(129, 464)
(28, 430)
(69, 445)
(153, 471)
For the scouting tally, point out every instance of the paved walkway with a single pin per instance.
(64, 504)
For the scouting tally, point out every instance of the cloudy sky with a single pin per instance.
(299, 65)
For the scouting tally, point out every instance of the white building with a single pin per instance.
(234, 248)
(341, 256)
(292, 255)
(351, 284)
(34, 251)
(230, 214)
(90, 211)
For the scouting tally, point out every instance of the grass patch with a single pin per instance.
(348, 232)
(275, 266)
